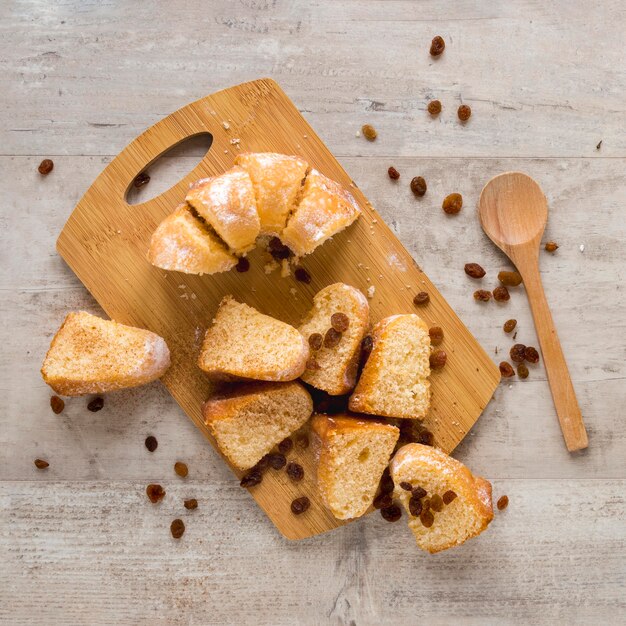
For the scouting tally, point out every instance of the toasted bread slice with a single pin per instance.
(394, 381)
(334, 369)
(243, 343)
(228, 205)
(184, 243)
(465, 512)
(277, 180)
(324, 209)
(248, 423)
(92, 355)
(353, 454)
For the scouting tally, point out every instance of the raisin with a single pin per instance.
(517, 352)
(278, 250)
(277, 461)
(531, 355)
(285, 445)
(427, 519)
(522, 370)
(436, 503)
(302, 275)
(302, 441)
(95, 405)
(141, 180)
(551, 246)
(393, 173)
(421, 298)
(510, 279)
(56, 404)
(448, 496)
(503, 502)
(418, 492)
(437, 46)
(509, 326)
(438, 359)
(391, 513)
(181, 469)
(406, 486)
(482, 295)
(332, 338)
(369, 132)
(312, 365)
(243, 265)
(340, 322)
(436, 335)
(426, 504)
(386, 483)
(315, 341)
(191, 504)
(177, 528)
(155, 493)
(366, 345)
(418, 186)
(300, 505)
(252, 478)
(464, 112)
(415, 506)
(506, 370)
(426, 437)
(45, 167)
(41, 464)
(473, 270)
(382, 501)
(501, 294)
(263, 464)
(151, 443)
(434, 107)
(452, 203)
(295, 471)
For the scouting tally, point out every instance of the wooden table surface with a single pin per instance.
(80, 544)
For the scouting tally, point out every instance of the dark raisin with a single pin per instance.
(386, 482)
(56, 404)
(285, 445)
(426, 438)
(340, 322)
(438, 359)
(510, 279)
(436, 335)
(418, 492)
(448, 496)
(506, 370)
(406, 486)
(509, 326)
(278, 250)
(151, 443)
(382, 501)
(393, 173)
(421, 298)
(295, 471)
(277, 461)
(181, 469)
(452, 203)
(522, 370)
(302, 441)
(252, 478)
(191, 504)
(263, 464)
(367, 344)
(41, 464)
(426, 504)
(551, 246)
(517, 352)
(473, 270)
(531, 355)
(177, 528)
(369, 132)
(332, 338)
(302, 275)
(391, 513)
(141, 180)
(155, 493)
(95, 405)
(436, 503)
(427, 519)
(464, 112)
(415, 506)
(243, 265)
(503, 502)
(315, 341)
(300, 505)
(437, 46)
(418, 186)
(501, 294)
(312, 365)
(45, 167)
(434, 107)
(482, 295)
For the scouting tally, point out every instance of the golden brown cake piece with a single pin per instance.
(325, 208)
(277, 180)
(334, 360)
(227, 203)
(353, 454)
(248, 422)
(446, 504)
(183, 243)
(92, 355)
(394, 381)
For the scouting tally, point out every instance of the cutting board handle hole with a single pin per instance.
(170, 167)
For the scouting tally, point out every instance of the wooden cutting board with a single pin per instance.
(105, 242)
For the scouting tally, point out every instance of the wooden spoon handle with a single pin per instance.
(563, 393)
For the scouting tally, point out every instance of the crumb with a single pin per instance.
(374, 221)
(225, 151)
(119, 232)
(358, 133)
(599, 145)
(510, 386)
(182, 286)
(235, 141)
(285, 270)
(193, 296)
(496, 350)
(271, 266)
(226, 125)
(305, 136)
(293, 291)
(582, 247)
(371, 290)
(184, 296)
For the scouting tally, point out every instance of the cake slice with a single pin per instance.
(243, 343)
(394, 381)
(227, 203)
(455, 506)
(333, 368)
(92, 355)
(184, 243)
(353, 454)
(325, 208)
(277, 181)
(249, 422)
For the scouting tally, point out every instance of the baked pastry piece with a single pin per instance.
(394, 381)
(333, 368)
(183, 243)
(277, 180)
(353, 454)
(456, 505)
(324, 209)
(92, 355)
(227, 203)
(250, 421)
(243, 343)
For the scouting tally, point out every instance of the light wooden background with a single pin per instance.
(79, 544)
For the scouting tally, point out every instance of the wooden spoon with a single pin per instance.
(513, 213)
